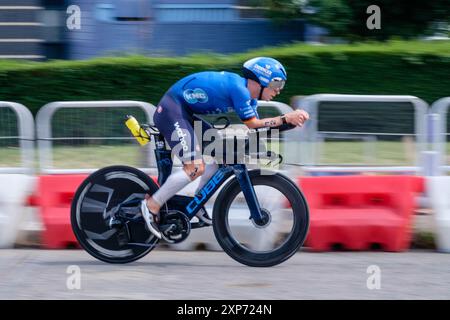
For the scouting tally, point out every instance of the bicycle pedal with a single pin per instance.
(203, 217)
(123, 236)
(197, 225)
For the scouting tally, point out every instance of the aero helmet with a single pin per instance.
(268, 72)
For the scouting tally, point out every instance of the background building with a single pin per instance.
(173, 27)
(36, 29)
(21, 30)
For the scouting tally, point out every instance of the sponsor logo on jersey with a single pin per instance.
(181, 136)
(194, 96)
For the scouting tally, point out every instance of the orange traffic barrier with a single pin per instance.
(360, 212)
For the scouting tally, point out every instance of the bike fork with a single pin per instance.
(241, 172)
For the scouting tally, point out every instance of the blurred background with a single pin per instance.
(40, 29)
(374, 75)
(136, 49)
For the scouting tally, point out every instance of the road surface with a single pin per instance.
(168, 274)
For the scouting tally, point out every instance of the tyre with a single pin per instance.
(286, 221)
(97, 199)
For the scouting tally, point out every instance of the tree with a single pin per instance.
(399, 18)
(334, 15)
(347, 18)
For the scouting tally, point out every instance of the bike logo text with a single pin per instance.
(206, 190)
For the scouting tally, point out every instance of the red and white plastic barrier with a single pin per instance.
(439, 192)
(14, 191)
(355, 211)
(358, 212)
(54, 199)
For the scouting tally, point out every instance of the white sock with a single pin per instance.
(210, 169)
(174, 183)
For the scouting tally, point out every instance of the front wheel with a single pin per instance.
(286, 216)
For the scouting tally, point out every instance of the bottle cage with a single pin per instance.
(150, 129)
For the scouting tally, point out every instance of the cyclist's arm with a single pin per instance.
(246, 109)
(296, 118)
(266, 122)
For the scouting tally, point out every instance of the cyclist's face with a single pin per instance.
(270, 93)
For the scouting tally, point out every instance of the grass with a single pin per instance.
(379, 153)
(81, 157)
(354, 153)
(9, 156)
(96, 156)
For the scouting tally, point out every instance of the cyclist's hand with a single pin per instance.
(297, 117)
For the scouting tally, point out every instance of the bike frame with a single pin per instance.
(165, 164)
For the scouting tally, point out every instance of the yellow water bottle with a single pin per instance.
(135, 128)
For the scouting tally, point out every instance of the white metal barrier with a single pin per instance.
(439, 188)
(45, 138)
(438, 136)
(430, 129)
(16, 182)
(25, 136)
(310, 133)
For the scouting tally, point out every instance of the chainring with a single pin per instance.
(175, 226)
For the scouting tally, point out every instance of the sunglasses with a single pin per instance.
(277, 83)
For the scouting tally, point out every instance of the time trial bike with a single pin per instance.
(259, 218)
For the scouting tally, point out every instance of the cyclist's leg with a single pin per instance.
(210, 170)
(210, 167)
(175, 124)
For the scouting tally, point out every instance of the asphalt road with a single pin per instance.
(168, 274)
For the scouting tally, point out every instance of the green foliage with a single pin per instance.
(282, 11)
(347, 18)
(334, 15)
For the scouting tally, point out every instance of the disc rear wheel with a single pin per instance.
(106, 194)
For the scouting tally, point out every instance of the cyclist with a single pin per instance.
(208, 93)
